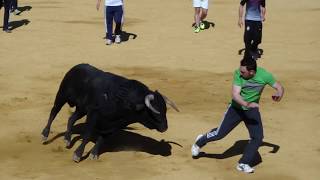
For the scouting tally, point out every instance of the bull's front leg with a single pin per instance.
(91, 123)
(54, 111)
(78, 114)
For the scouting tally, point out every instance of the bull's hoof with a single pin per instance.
(68, 143)
(76, 158)
(45, 132)
(93, 157)
(44, 138)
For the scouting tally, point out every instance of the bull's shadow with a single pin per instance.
(238, 148)
(122, 140)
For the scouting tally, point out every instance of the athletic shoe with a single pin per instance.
(109, 42)
(117, 39)
(195, 149)
(196, 29)
(15, 12)
(7, 30)
(245, 168)
(202, 26)
(255, 55)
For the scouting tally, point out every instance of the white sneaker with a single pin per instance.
(109, 42)
(16, 12)
(245, 168)
(195, 149)
(117, 39)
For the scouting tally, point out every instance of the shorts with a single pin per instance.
(200, 3)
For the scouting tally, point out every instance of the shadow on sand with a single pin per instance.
(23, 8)
(207, 24)
(123, 140)
(237, 149)
(125, 36)
(16, 24)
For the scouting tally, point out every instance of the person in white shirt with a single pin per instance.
(113, 12)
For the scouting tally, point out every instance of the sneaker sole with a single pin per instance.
(239, 169)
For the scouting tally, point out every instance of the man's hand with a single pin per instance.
(98, 5)
(240, 22)
(276, 97)
(280, 91)
(252, 105)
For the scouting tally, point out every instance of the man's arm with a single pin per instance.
(98, 4)
(237, 97)
(263, 13)
(241, 10)
(280, 91)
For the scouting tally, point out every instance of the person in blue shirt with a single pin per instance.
(254, 16)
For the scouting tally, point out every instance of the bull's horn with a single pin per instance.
(147, 100)
(171, 103)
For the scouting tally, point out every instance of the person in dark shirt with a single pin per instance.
(254, 16)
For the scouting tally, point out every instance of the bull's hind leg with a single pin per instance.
(54, 111)
(78, 114)
(91, 123)
(94, 155)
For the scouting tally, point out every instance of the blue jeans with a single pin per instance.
(14, 5)
(113, 13)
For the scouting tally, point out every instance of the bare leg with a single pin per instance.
(197, 15)
(203, 14)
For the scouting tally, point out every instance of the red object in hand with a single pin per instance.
(275, 98)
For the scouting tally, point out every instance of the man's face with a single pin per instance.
(245, 73)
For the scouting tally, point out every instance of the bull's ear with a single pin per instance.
(139, 107)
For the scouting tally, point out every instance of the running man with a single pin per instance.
(254, 16)
(248, 84)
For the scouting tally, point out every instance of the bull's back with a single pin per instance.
(73, 87)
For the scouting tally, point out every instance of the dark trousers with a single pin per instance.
(14, 5)
(113, 13)
(232, 118)
(7, 5)
(252, 35)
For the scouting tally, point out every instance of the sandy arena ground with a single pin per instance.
(194, 70)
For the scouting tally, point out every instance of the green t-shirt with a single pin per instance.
(251, 89)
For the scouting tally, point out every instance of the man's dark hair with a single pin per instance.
(249, 62)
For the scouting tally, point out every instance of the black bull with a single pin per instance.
(110, 102)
